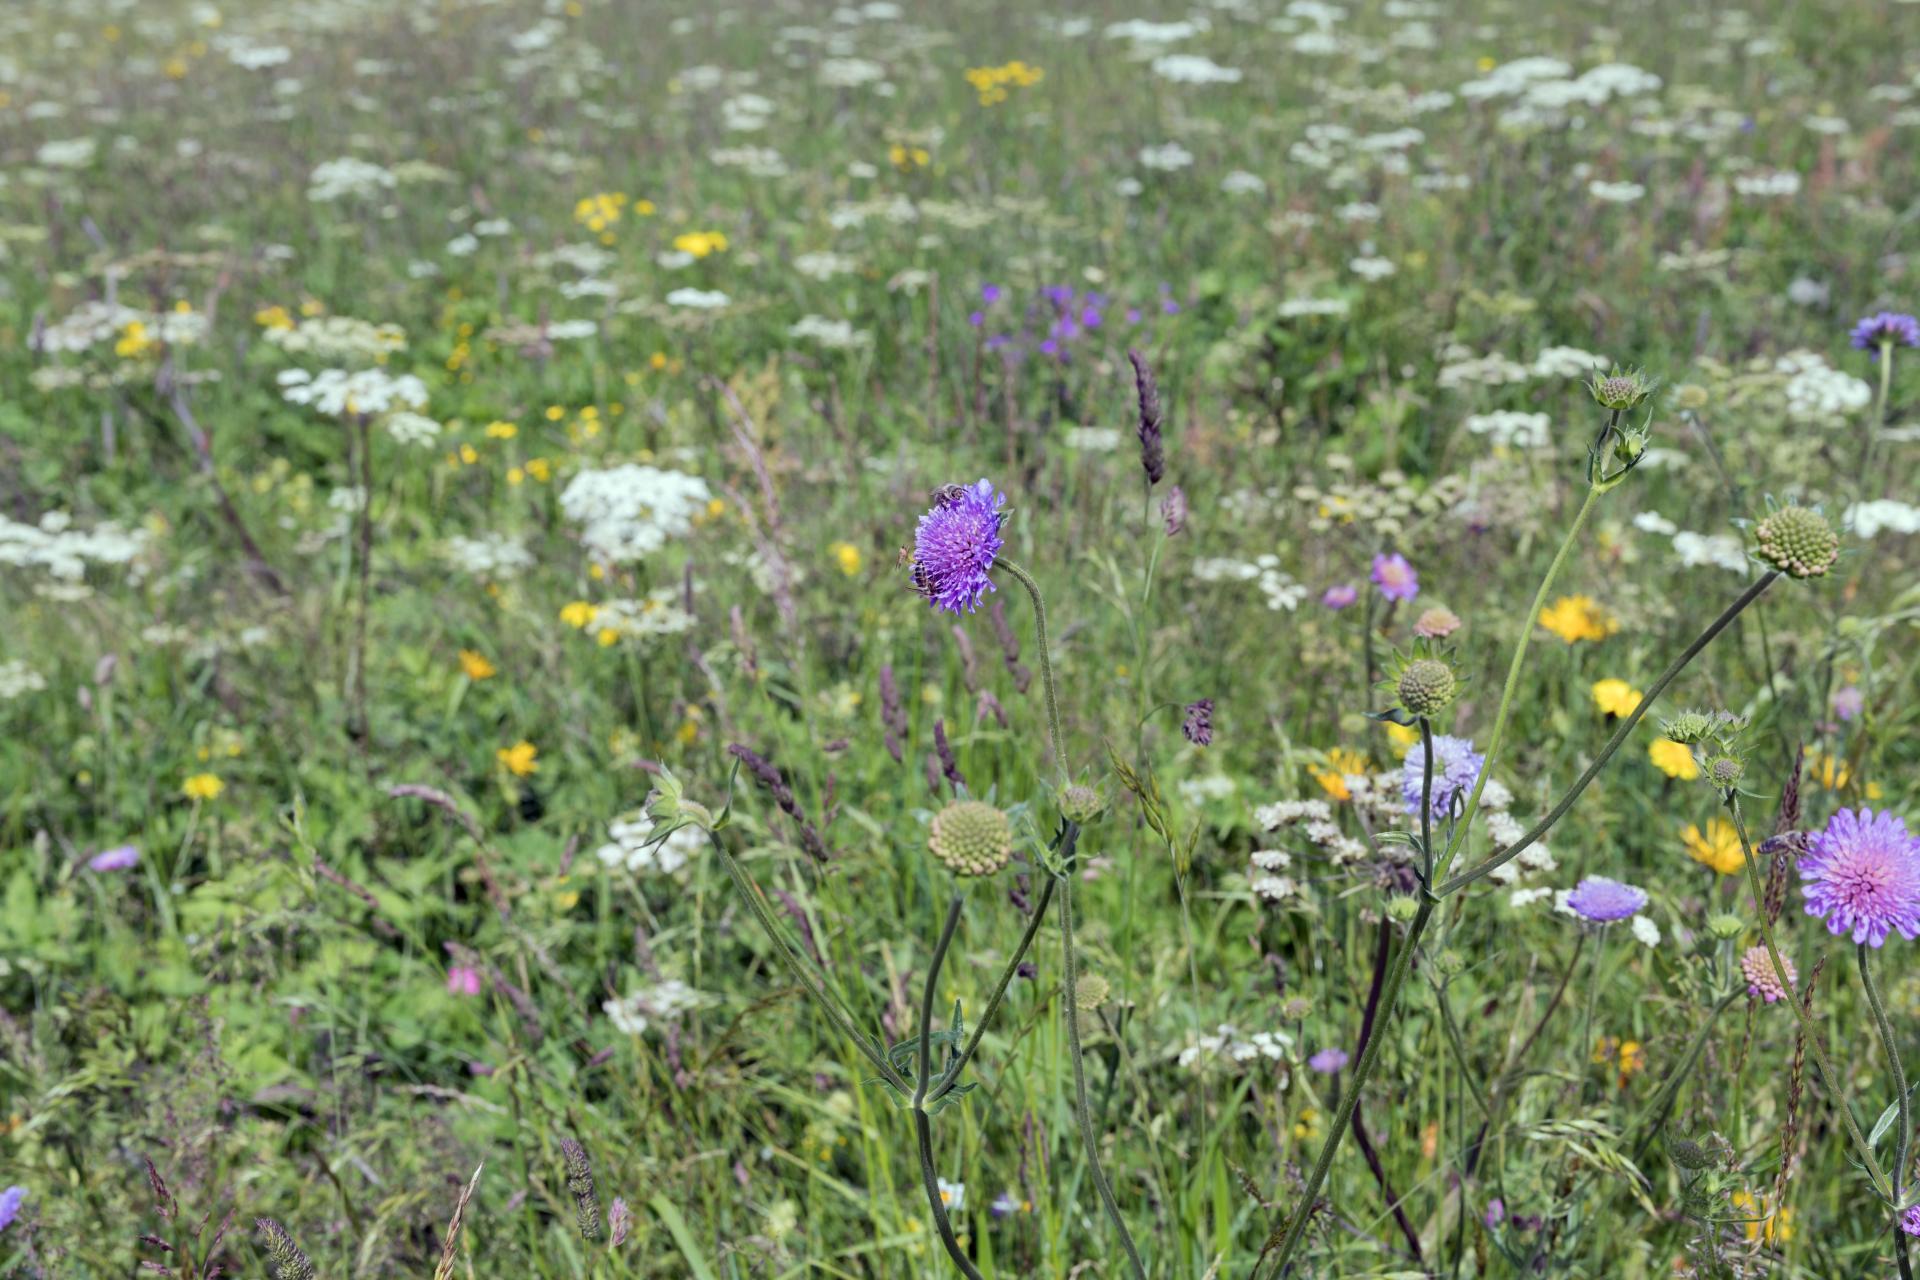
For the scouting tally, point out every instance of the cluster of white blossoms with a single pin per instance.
(1512, 429)
(1282, 592)
(491, 555)
(1868, 519)
(63, 552)
(1817, 392)
(1312, 819)
(1696, 550)
(838, 335)
(634, 845)
(659, 614)
(630, 511)
(1225, 1044)
(338, 393)
(18, 679)
(1192, 68)
(93, 323)
(634, 1012)
(348, 177)
(339, 339)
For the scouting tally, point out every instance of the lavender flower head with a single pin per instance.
(10, 1201)
(114, 859)
(1339, 596)
(1395, 577)
(1198, 726)
(1887, 328)
(1756, 966)
(1456, 766)
(1863, 876)
(1496, 1213)
(1910, 1220)
(1604, 901)
(1328, 1061)
(1849, 702)
(955, 545)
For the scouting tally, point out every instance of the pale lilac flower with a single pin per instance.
(1198, 726)
(1848, 701)
(1756, 966)
(1395, 577)
(10, 1201)
(1887, 328)
(1496, 1213)
(1340, 595)
(1604, 901)
(1328, 1061)
(463, 980)
(1910, 1220)
(1863, 876)
(1456, 766)
(116, 859)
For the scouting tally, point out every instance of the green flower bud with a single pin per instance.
(1296, 1008)
(971, 837)
(1726, 926)
(1426, 687)
(1798, 542)
(1621, 390)
(1689, 1154)
(1687, 727)
(1449, 963)
(1401, 909)
(1725, 771)
(1082, 804)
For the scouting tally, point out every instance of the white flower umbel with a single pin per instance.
(629, 511)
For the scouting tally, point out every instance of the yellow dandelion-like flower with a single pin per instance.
(579, 614)
(1577, 618)
(1340, 763)
(1718, 846)
(700, 244)
(1673, 759)
(476, 666)
(203, 786)
(519, 759)
(1616, 697)
(847, 556)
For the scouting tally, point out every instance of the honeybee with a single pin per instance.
(947, 494)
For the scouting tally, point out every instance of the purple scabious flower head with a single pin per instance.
(955, 546)
(10, 1201)
(1756, 966)
(1910, 1220)
(1496, 1213)
(1888, 327)
(1862, 876)
(1604, 901)
(1328, 1061)
(114, 859)
(1340, 595)
(1456, 766)
(1849, 702)
(1198, 726)
(1395, 577)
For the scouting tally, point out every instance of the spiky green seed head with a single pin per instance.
(1296, 1008)
(971, 837)
(1798, 542)
(1426, 687)
(1621, 390)
(1725, 771)
(1687, 727)
(1091, 992)
(1450, 963)
(1081, 803)
(289, 1263)
(1726, 926)
(1689, 1154)
(1401, 908)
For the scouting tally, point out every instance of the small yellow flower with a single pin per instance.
(1616, 697)
(1340, 763)
(133, 341)
(847, 556)
(203, 786)
(579, 614)
(1402, 736)
(273, 318)
(699, 244)
(476, 666)
(1307, 1127)
(501, 431)
(1717, 847)
(1764, 1224)
(1673, 759)
(1576, 618)
(518, 759)
(540, 469)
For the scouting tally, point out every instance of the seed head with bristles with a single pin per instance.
(289, 1263)
(1153, 454)
(586, 1203)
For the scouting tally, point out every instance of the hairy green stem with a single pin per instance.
(922, 1076)
(1829, 1078)
(1082, 1112)
(1046, 659)
(952, 1076)
(1903, 1140)
(1619, 738)
(1514, 668)
(869, 1048)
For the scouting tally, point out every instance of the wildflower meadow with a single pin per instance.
(1103, 639)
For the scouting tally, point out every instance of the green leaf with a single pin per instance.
(677, 1228)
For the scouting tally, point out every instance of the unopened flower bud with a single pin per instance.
(1401, 908)
(1726, 926)
(1798, 542)
(971, 837)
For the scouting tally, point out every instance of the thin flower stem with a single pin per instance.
(1046, 659)
(1426, 804)
(952, 1076)
(1662, 1105)
(1904, 1139)
(1519, 662)
(1369, 1054)
(1828, 1077)
(1619, 738)
(923, 1075)
(1082, 1111)
(869, 1048)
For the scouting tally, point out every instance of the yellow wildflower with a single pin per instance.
(1340, 763)
(699, 244)
(1717, 847)
(476, 665)
(202, 786)
(1402, 736)
(518, 759)
(847, 556)
(1673, 759)
(1763, 1224)
(579, 614)
(133, 341)
(1576, 618)
(275, 317)
(501, 431)
(1616, 697)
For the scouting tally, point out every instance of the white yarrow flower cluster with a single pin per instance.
(348, 177)
(18, 679)
(338, 393)
(630, 511)
(634, 845)
(491, 555)
(633, 1013)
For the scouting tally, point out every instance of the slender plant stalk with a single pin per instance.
(1082, 1111)
(869, 1048)
(1426, 804)
(1828, 1077)
(1904, 1139)
(952, 1075)
(923, 1075)
(1619, 738)
(1514, 668)
(1046, 659)
(1662, 1105)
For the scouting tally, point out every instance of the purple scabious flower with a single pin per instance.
(10, 1200)
(1910, 1220)
(1849, 701)
(1889, 327)
(1604, 901)
(114, 859)
(1456, 766)
(1328, 1061)
(1862, 876)
(1756, 966)
(955, 546)
(1198, 726)
(1496, 1213)
(1340, 595)
(1395, 577)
